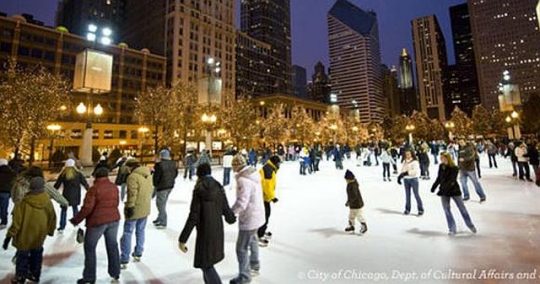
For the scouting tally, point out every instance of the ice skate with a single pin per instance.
(363, 230)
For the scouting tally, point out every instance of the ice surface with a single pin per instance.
(309, 242)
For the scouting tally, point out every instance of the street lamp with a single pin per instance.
(410, 128)
(53, 128)
(450, 126)
(513, 120)
(105, 36)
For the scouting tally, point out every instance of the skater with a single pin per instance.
(410, 173)
(492, 153)
(467, 156)
(249, 208)
(71, 180)
(100, 210)
(513, 158)
(268, 182)
(435, 149)
(449, 190)
(338, 157)
(7, 178)
(479, 150)
(386, 161)
(303, 159)
(523, 162)
(165, 173)
(532, 151)
(355, 204)
(21, 187)
(189, 165)
(101, 163)
(423, 159)
(227, 165)
(208, 205)
(204, 158)
(121, 179)
(136, 211)
(33, 219)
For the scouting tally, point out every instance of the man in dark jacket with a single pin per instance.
(100, 209)
(165, 173)
(208, 205)
(7, 177)
(532, 153)
(355, 203)
(467, 169)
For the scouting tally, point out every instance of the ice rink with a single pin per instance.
(310, 246)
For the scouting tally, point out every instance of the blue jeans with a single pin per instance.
(4, 204)
(477, 186)
(161, 203)
(210, 275)
(412, 184)
(226, 176)
(63, 215)
(91, 239)
(246, 243)
(125, 242)
(123, 191)
(29, 263)
(445, 200)
(189, 170)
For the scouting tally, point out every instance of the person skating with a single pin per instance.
(249, 207)
(513, 158)
(100, 210)
(387, 160)
(208, 205)
(338, 157)
(136, 211)
(423, 159)
(164, 177)
(492, 154)
(102, 163)
(189, 165)
(7, 178)
(227, 166)
(467, 166)
(523, 162)
(449, 190)
(204, 158)
(71, 180)
(410, 171)
(33, 219)
(268, 181)
(355, 204)
(121, 177)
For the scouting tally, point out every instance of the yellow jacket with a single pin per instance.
(268, 181)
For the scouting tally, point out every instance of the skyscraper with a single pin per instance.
(431, 61)
(506, 37)
(355, 60)
(390, 89)
(319, 89)
(408, 102)
(299, 81)
(76, 15)
(269, 21)
(462, 80)
(253, 63)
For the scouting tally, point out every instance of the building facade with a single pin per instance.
(300, 81)
(253, 63)
(355, 60)
(269, 21)
(390, 90)
(506, 37)
(406, 77)
(319, 88)
(431, 61)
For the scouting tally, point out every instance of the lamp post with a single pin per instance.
(142, 131)
(513, 120)
(89, 111)
(450, 126)
(53, 128)
(410, 128)
(209, 120)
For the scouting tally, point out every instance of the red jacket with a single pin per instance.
(100, 204)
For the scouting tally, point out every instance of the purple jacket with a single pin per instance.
(249, 206)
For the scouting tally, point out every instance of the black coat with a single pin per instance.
(165, 173)
(447, 179)
(209, 203)
(532, 152)
(72, 187)
(354, 198)
(7, 177)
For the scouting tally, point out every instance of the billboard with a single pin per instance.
(93, 72)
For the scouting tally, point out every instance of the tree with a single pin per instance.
(395, 129)
(275, 125)
(30, 98)
(332, 128)
(463, 124)
(240, 120)
(496, 123)
(301, 125)
(531, 114)
(422, 125)
(481, 120)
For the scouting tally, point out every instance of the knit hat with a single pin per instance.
(37, 184)
(275, 160)
(238, 161)
(70, 163)
(349, 175)
(3, 162)
(165, 155)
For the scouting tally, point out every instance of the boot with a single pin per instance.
(350, 228)
(363, 230)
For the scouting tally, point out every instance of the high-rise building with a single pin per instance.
(270, 22)
(390, 89)
(538, 13)
(253, 63)
(194, 31)
(299, 81)
(506, 37)
(355, 60)
(431, 61)
(406, 80)
(465, 93)
(319, 88)
(76, 15)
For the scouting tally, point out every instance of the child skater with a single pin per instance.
(355, 203)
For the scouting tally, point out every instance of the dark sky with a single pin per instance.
(309, 31)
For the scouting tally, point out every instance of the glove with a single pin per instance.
(80, 236)
(347, 204)
(275, 200)
(400, 177)
(433, 188)
(128, 212)
(182, 247)
(7, 240)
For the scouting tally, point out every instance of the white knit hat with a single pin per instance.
(70, 163)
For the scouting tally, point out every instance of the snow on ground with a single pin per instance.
(310, 246)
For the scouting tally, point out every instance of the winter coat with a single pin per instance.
(491, 149)
(72, 187)
(249, 205)
(33, 219)
(190, 160)
(204, 159)
(533, 155)
(268, 181)
(122, 175)
(101, 164)
(386, 158)
(17, 165)
(208, 205)
(468, 154)
(7, 178)
(165, 173)
(139, 192)
(21, 187)
(521, 154)
(354, 198)
(100, 204)
(412, 168)
(447, 180)
(338, 155)
(227, 160)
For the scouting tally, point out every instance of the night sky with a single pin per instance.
(308, 20)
